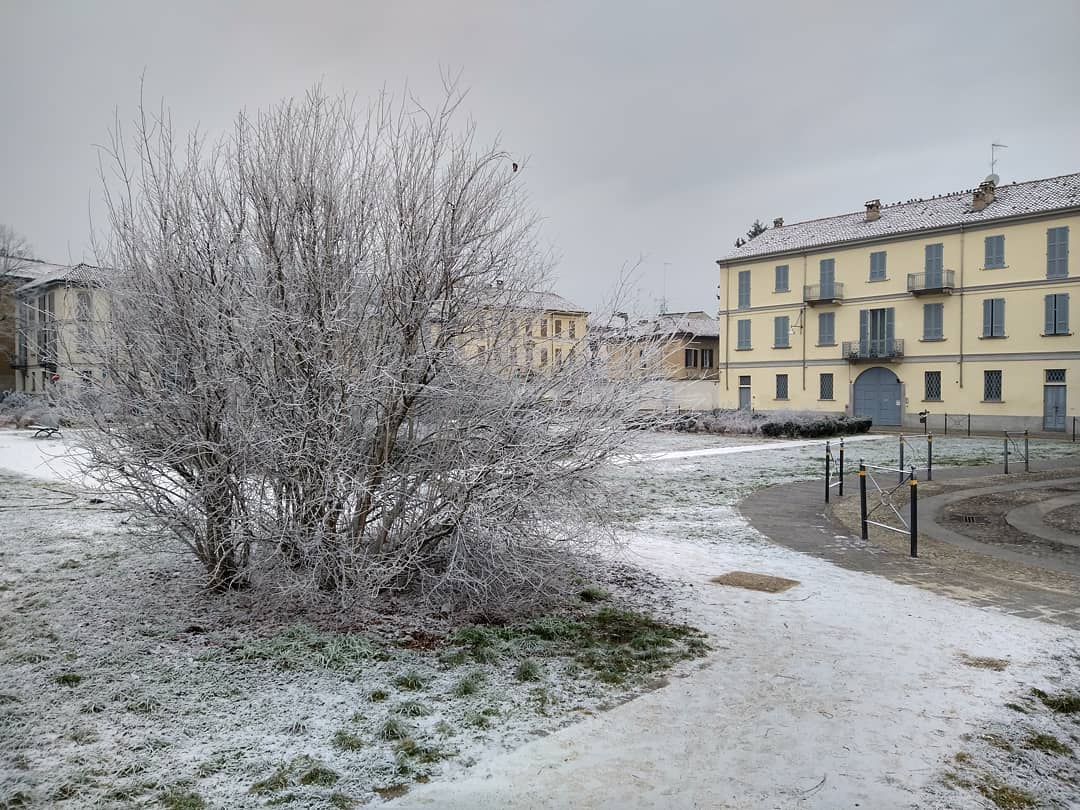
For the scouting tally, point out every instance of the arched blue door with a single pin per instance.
(877, 395)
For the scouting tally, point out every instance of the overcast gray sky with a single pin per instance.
(652, 129)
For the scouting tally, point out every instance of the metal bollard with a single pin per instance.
(862, 500)
(1027, 454)
(1006, 453)
(901, 465)
(841, 468)
(930, 457)
(827, 476)
(913, 520)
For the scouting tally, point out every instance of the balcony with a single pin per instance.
(814, 294)
(939, 283)
(872, 351)
(18, 361)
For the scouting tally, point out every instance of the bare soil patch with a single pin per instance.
(755, 582)
(1066, 519)
(984, 662)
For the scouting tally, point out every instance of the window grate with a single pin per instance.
(826, 385)
(1055, 375)
(932, 383)
(992, 386)
(781, 386)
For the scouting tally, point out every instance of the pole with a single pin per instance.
(1006, 453)
(969, 425)
(913, 521)
(901, 467)
(946, 424)
(930, 457)
(826, 472)
(1027, 454)
(862, 500)
(841, 468)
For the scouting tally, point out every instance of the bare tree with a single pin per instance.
(317, 360)
(15, 250)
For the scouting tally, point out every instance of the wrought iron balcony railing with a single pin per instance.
(823, 293)
(930, 283)
(863, 351)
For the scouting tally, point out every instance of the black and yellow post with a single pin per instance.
(862, 500)
(841, 468)
(913, 522)
(828, 479)
(930, 457)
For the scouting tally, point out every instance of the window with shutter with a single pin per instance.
(780, 332)
(827, 277)
(877, 266)
(1057, 314)
(826, 329)
(781, 278)
(993, 317)
(1057, 252)
(744, 289)
(935, 264)
(933, 316)
(994, 252)
(743, 327)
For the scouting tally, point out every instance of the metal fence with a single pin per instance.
(885, 508)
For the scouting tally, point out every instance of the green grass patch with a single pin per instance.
(468, 685)
(413, 708)
(378, 695)
(71, 679)
(392, 729)
(180, 799)
(527, 670)
(347, 741)
(319, 774)
(411, 681)
(1062, 703)
(1047, 743)
(1006, 797)
(303, 647)
(591, 594)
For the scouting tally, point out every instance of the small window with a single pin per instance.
(932, 386)
(744, 380)
(826, 325)
(558, 358)
(825, 382)
(543, 327)
(995, 252)
(528, 328)
(641, 359)
(932, 321)
(558, 327)
(877, 266)
(1057, 252)
(691, 358)
(782, 278)
(573, 328)
(781, 386)
(993, 317)
(1057, 314)
(706, 358)
(543, 358)
(743, 328)
(992, 386)
(781, 331)
(744, 289)
(529, 356)
(1055, 375)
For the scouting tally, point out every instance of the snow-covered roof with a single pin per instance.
(78, 274)
(1016, 199)
(28, 269)
(549, 301)
(696, 323)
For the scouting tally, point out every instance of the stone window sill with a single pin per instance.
(830, 399)
(1056, 334)
(788, 346)
(992, 337)
(996, 267)
(876, 280)
(931, 400)
(931, 340)
(824, 344)
(992, 401)
(744, 349)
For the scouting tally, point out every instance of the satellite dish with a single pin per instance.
(993, 179)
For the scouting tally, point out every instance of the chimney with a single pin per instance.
(778, 222)
(984, 194)
(873, 210)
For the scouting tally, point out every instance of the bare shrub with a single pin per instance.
(316, 360)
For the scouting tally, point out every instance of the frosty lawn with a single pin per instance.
(122, 684)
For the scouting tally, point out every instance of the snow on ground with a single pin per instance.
(847, 690)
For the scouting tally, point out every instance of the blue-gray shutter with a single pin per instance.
(780, 331)
(988, 316)
(1050, 320)
(827, 276)
(781, 277)
(999, 316)
(1063, 313)
(826, 328)
(864, 331)
(877, 265)
(744, 288)
(890, 330)
(1057, 252)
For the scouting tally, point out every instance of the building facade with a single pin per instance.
(954, 305)
(59, 317)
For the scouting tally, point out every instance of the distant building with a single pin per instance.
(540, 333)
(957, 304)
(59, 315)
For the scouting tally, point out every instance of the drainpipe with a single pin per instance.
(961, 306)
(726, 272)
(804, 325)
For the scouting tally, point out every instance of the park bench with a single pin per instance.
(44, 431)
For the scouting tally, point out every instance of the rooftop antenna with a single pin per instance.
(663, 294)
(993, 154)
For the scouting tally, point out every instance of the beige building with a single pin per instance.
(957, 305)
(58, 319)
(14, 273)
(545, 332)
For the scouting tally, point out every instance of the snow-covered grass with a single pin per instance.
(121, 683)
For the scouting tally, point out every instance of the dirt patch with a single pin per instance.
(755, 582)
(984, 662)
(1066, 519)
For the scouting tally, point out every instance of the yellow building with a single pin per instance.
(542, 333)
(14, 273)
(59, 316)
(956, 305)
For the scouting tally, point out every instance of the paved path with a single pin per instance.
(1029, 518)
(793, 515)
